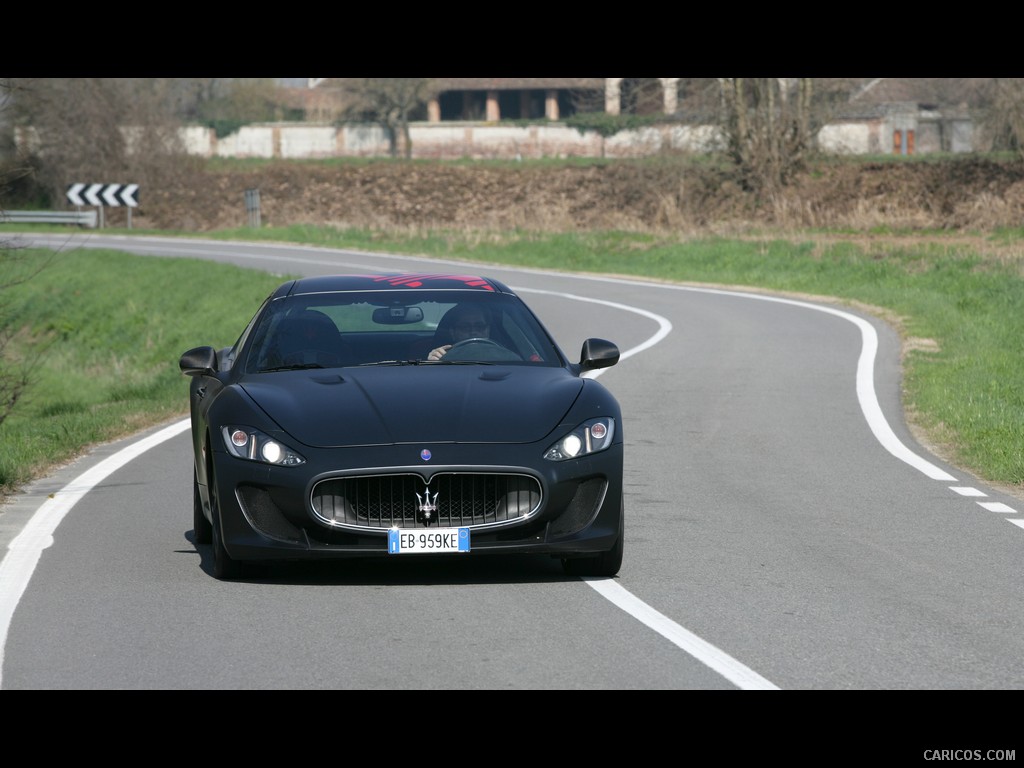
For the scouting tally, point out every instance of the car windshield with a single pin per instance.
(376, 328)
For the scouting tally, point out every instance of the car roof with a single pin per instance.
(392, 281)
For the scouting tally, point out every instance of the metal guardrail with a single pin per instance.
(81, 218)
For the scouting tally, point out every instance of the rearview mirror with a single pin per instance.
(397, 315)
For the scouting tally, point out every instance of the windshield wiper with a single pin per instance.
(390, 362)
(425, 362)
(295, 367)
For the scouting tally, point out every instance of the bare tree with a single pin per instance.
(238, 100)
(390, 102)
(71, 129)
(1000, 114)
(96, 130)
(768, 127)
(641, 96)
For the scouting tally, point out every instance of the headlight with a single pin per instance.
(248, 443)
(589, 437)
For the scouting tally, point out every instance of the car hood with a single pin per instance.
(423, 404)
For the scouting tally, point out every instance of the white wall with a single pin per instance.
(845, 139)
(447, 140)
(480, 140)
(309, 142)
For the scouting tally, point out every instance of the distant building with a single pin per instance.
(880, 116)
(490, 99)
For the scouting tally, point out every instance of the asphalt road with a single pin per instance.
(784, 532)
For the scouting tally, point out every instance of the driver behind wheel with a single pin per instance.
(468, 322)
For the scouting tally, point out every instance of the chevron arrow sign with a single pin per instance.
(104, 194)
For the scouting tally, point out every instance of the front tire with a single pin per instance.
(604, 564)
(225, 567)
(201, 528)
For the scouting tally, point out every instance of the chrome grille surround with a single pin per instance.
(463, 499)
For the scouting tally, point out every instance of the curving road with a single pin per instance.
(784, 531)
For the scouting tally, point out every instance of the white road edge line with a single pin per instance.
(27, 547)
(996, 506)
(865, 381)
(966, 490)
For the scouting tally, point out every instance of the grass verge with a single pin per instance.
(107, 329)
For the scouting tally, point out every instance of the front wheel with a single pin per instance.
(604, 564)
(201, 528)
(225, 567)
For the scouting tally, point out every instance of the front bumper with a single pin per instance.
(267, 513)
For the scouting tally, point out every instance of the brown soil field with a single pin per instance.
(955, 196)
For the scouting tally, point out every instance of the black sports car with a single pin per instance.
(394, 414)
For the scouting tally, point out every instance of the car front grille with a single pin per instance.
(405, 501)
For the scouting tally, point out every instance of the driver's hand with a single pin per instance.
(437, 354)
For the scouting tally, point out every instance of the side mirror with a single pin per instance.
(598, 353)
(199, 361)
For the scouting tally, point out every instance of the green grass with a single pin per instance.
(111, 327)
(116, 324)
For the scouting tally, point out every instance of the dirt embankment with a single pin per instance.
(967, 195)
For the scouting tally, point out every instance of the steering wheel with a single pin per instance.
(489, 350)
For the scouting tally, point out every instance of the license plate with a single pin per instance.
(437, 540)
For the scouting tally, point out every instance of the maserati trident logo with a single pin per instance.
(426, 507)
